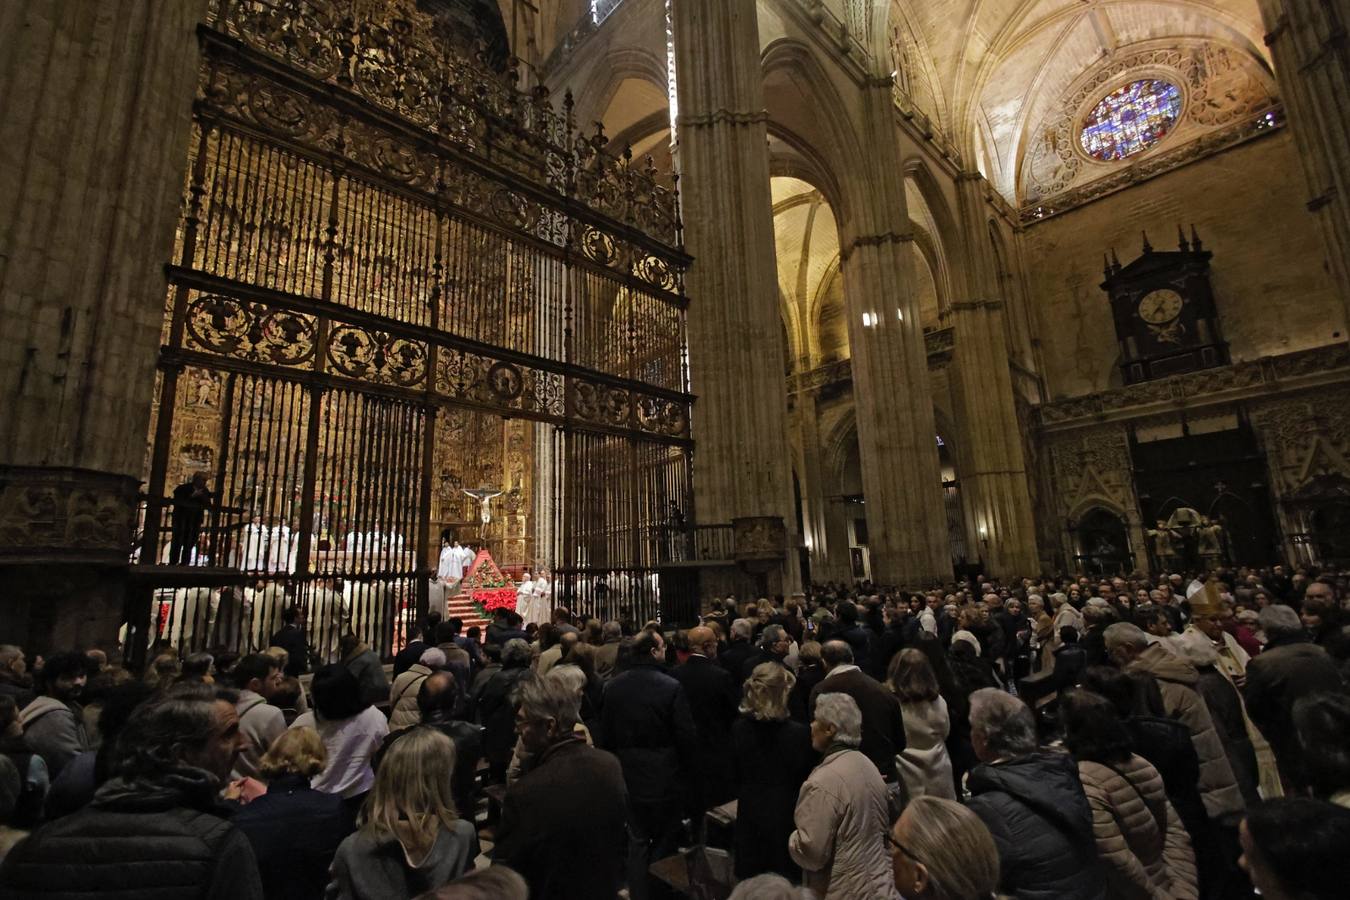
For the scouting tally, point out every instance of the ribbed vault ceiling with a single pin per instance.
(997, 66)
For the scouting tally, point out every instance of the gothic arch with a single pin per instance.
(829, 138)
(1088, 502)
(947, 239)
(607, 75)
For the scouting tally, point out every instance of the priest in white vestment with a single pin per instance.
(368, 603)
(192, 618)
(253, 547)
(525, 598)
(326, 621)
(279, 548)
(267, 602)
(543, 599)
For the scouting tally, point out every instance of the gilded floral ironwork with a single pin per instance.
(251, 331)
(377, 356)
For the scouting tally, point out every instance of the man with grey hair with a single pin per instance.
(540, 835)
(1291, 667)
(883, 723)
(1032, 802)
(842, 812)
(1129, 649)
(774, 644)
(738, 648)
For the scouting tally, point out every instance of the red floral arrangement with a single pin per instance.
(488, 589)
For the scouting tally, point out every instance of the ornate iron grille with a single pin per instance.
(397, 277)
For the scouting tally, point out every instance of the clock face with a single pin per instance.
(1160, 307)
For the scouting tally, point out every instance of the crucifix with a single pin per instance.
(484, 497)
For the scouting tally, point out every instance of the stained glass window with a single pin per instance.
(1130, 119)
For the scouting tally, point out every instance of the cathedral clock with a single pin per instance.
(1164, 312)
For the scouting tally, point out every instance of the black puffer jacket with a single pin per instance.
(1166, 744)
(1035, 808)
(149, 839)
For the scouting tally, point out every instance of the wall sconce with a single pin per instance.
(984, 535)
(899, 314)
(869, 319)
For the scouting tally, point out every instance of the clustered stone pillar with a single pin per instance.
(736, 353)
(1307, 40)
(994, 488)
(828, 546)
(93, 151)
(902, 480)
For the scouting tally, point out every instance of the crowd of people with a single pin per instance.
(1084, 738)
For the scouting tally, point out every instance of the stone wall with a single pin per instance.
(1269, 270)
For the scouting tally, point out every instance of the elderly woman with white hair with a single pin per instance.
(842, 813)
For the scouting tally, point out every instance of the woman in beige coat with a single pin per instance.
(1143, 847)
(923, 764)
(842, 816)
(403, 693)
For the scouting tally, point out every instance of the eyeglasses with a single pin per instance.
(890, 839)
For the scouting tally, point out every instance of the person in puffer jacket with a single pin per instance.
(1031, 801)
(1129, 649)
(156, 830)
(1143, 846)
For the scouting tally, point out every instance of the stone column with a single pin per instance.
(999, 520)
(1307, 40)
(93, 153)
(902, 481)
(737, 360)
(823, 550)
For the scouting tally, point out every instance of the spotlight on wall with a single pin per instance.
(869, 319)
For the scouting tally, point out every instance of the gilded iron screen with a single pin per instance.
(399, 278)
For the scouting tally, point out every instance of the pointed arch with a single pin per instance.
(828, 137)
(947, 242)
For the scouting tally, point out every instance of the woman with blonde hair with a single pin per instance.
(410, 838)
(923, 764)
(941, 850)
(771, 757)
(294, 829)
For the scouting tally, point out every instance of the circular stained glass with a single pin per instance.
(1130, 119)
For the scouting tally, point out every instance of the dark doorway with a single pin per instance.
(1221, 475)
(1103, 546)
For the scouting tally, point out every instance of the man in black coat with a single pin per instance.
(851, 632)
(154, 829)
(738, 648)
(291, 638)
(1033, 804)
(883, 724)
(647, 724)
(423, 638)
(190, 500)
(1291, 667)
(774, 645)
(713, 699)
(562, 825)
(496, 708)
